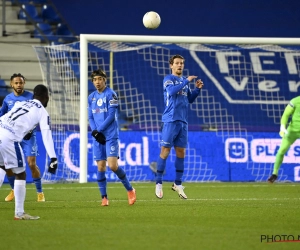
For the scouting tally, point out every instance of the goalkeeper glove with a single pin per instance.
(283, 130)
(28, 135)
(52, 166)
(99, 137)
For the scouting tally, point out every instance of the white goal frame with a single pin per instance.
(85, 38)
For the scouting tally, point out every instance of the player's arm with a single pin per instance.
(90, 115)
(47, 134)
(289, 110)
(4, 108)
(192, 95)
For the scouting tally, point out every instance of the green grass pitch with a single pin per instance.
(215, 216)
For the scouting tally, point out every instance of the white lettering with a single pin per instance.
(137, 158)
(236, 85)
(297, 173)
(268, 86)
(257, 63)
(223, 60)
(290, 62)
(293, 86)
(145, 151)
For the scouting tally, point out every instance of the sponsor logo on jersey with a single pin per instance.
(100, 102)
(98, 111)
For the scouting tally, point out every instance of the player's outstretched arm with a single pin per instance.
(289, 110)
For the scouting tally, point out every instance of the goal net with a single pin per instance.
(233, 124)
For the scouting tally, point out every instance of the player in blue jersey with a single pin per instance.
(29, 144)
(177, 96)
(102, 114)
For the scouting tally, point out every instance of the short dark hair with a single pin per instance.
(17, 75)
(98, 72)
(171, 61)
(40, 90)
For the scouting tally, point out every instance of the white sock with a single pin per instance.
(2, 176)
(20, 193)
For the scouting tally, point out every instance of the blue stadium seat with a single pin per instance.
(29, 13)
(65, 34)
(44, 31)
(50, 15)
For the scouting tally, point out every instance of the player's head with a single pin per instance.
(98, 78)
(177, 64)
(17, 82)
(40, 92)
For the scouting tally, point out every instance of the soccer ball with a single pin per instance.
(151, 20)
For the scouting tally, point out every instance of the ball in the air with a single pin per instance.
(151, 20)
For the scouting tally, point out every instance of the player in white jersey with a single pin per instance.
(177, 96)
(14, 125)
(29, 144)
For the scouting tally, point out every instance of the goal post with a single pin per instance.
(247, 84)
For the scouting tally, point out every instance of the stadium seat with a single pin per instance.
(44, 31)
(65, 34)
(29, 13)
(50, 15)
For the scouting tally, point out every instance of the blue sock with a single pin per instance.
(102, 183)
(161, 165)
(122, 176)
(11, 180)
(38, 184)
(179, 166)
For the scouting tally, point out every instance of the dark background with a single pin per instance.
(247, 18)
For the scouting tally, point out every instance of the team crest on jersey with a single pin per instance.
(112, 148)
(99, 102)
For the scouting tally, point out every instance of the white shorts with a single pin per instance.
(11, 155)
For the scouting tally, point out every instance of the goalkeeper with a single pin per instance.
(102, 113)
(289, 135)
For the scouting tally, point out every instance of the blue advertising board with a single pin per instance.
(209, 157)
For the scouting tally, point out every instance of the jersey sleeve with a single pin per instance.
(4, 108)
(90, 115)
(46, 134)
(171, 88)
(289, 110)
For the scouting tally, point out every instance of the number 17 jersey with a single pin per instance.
(22, 118)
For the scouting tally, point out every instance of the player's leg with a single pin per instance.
(13, 154)
(112, 152)
(286, 142)
(11, 180)
(180, 143)
(99, 154)
(2, 175)
(31, 151)
(2, 170)
(167, 134)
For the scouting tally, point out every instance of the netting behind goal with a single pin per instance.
(233, 124)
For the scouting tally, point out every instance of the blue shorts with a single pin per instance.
(174, 134)
(30, 147)
(110, 149)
